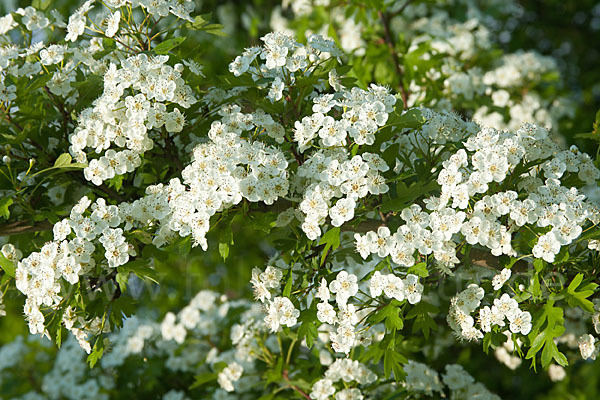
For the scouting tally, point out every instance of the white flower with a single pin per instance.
(281, 311)
(344, 286)
(230, 374)
(587, 347)
(172, 331)
(326, 313)
(485, 319)
(342, 211)
(174, 121)
(556, 373)
(470, 298)
(52, 55)
(363, 245)
(112, 24)
(500, 279)
(11, 253)
(276, 91)
(271, 277)
(75, 27)
(334, 80)
(520, 322)
(323, 292)
(394, 288)
(261, 292)
(547, 247)
(456, 377)
(507, 306)
(377, 283)
(322, 389)
(413, 289)
(349, 394)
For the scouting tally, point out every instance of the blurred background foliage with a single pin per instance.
(566, 30)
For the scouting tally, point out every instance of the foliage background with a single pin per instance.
(566, 30)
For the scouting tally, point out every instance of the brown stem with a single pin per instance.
(294, 387)
(390, 42)
(102, 188)
(170, 148)
(401, 9)
(18, 227)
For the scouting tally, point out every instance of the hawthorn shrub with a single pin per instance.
(364, 201)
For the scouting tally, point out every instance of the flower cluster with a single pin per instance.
(340, 320)
(131, 108)
(158, 9)
(283, 58)
(503, 308)
(70, 255)
(331, 175)
(348, 371)
(223, 171)
(396, 288)
(415, 193)
(489, 220)
(280, 310)
(363, 113)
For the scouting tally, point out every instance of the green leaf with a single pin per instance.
(39, 82)
(308, 329)
(41, 4)
(62, 160)
(142, 236)
(411, 119)
(108, 46)
(419, 269)
(7, 265)
(423, 321)
(539, 264)
(96, 353)
(204, 378)
(200, 21)
(122, 279)
(214, 29)
(5, 203)
(392, 362)
(331, 240)
(287, 290)
(575, 283)
(493, 340)
(553, 319)
(184, 246)
(224, 250)
(407, 195)
(226, 240)
(139, 268)
(580, 298)
(168, 45)
(390, 314)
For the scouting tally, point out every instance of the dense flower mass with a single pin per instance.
(388, 183)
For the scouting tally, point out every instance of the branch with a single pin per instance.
(477, 256)
(18, 227)
(294, 387)
(102, 188)
(390, 42)
(401, 9)
(170, 148)
(483, 258)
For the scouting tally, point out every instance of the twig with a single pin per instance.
(18, 227)
(294, 387)
(170, 148)
(101, 187)
(390, 42)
